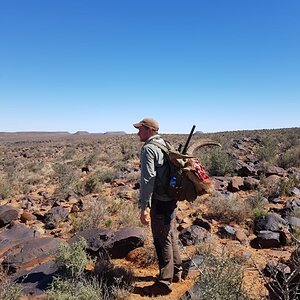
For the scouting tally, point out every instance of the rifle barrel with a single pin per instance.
(188, 140)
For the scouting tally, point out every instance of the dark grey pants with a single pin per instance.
(163, 226)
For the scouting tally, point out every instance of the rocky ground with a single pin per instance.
(54, 190)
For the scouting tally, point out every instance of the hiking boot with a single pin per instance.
(177, 277)
(156, 289)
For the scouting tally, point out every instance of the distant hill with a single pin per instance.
(115, 133)
(81, 133)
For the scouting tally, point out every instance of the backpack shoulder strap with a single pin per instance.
(164, 148)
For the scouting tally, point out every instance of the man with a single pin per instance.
(153, 196)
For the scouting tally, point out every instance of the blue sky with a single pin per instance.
(69, 65)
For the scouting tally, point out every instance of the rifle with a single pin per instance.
(187, 141)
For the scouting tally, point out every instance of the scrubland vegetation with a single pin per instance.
(96, 178)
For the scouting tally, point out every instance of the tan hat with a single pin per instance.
(148, 122)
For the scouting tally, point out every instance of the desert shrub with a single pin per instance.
(9, 290)
(95, 181)
(128, 215)
(281, 283)
(221, 278)
(35, 166)
(69, 152)
(91, 184)
(257, 205)
(128, 151)
(92, 159)
(104, 283)
(5, 188)
(95, 215)
(227, 208)
(110, 275)
(73, 259)
(295, 213)
(286, 185)
(268, 150)
(217, 162)
(66, 177)
(73, 289)
(290, 158)
(105, 175)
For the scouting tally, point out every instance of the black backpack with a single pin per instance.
(184, 184)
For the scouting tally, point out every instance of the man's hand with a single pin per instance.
(144, 216)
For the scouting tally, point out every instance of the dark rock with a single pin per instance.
(221, 183)
(272, 222)
(275, 194)
(7, 214)
(295, 192)
(268, 239)
(276, 200)
(192, 266)
(14, 235)
(292, 204)
(125, 240)
(30, 253)
(227, 232)
(97, 239)
(293, 222)
(273, 170)
(193, 293)
(54, 216)
(277, 269)
(194, 235)
(87, 169)
(35, 281)
(250, 183)
(255, 201)
(236, 184)
(202, 223)
(246, 170)
(43, 193)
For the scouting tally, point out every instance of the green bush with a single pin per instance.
(286, 185)
(73, 289)
(5, 188)
(227, 208)
(73, 259)
(217, 162)
(95, 215)
(220, 279)
(290, 158)
(9, 290)
(66, 178)
(268, 150)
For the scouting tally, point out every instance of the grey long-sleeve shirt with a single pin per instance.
(154, 173)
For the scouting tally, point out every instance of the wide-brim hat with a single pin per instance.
(147, 122)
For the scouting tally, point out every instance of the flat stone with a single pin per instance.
(193, 235)
(126, 240)
(236, 184)
(15, 234)
(268, 239)
(30, 253)
(97, 239)
(7, 214)
(34, 282)
(227, 232)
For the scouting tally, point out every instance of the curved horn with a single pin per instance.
(193, 148)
